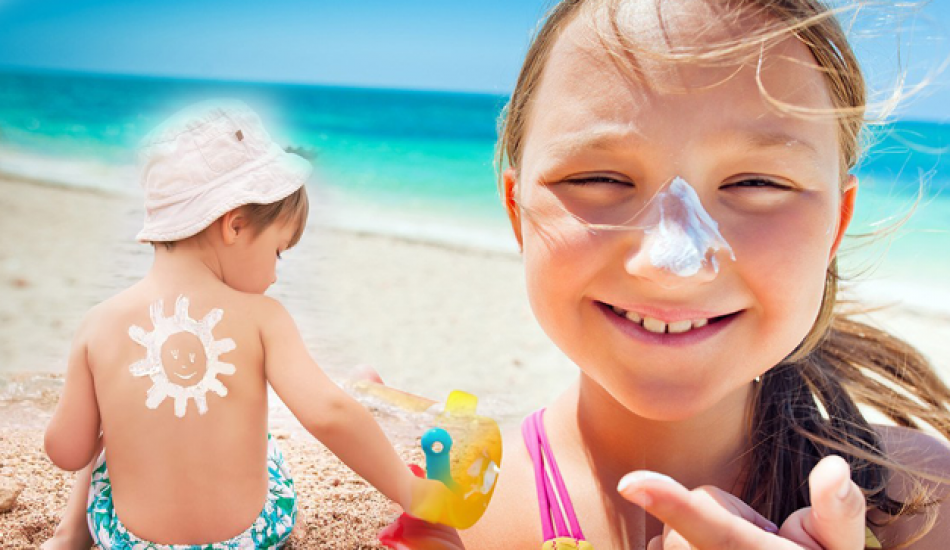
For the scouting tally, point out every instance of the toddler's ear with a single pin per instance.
(510, 179)
(846, 212)
(233, 223)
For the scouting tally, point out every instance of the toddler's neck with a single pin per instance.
(187, 262)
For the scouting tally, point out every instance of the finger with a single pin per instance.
(794, 530)
(838, 508)
(737, 507)
(694, 515)
(367, 373)
(656, 543)
(672, 540)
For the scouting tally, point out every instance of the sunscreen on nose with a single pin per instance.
(685, 237)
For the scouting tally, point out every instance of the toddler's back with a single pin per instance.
(181, 390)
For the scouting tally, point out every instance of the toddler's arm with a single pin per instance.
(72, 436)
(329, 413)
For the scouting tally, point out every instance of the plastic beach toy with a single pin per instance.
(463, 451)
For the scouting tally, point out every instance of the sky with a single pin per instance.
(474, 46)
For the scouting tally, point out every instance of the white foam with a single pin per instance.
(421, 224)
(69, 172)
(919, 297)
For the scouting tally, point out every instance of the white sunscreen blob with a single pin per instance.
(172, 355)
(686, 237)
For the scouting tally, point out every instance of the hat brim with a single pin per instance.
(266, 184)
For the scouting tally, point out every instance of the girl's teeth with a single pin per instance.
(680, 327)
(658, 326)
(654, 325)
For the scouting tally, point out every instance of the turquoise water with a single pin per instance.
(416, 162)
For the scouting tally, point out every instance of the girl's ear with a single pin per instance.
(845, 214)
(510, 179)
(233, 223)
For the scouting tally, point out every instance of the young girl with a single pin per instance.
(678, 179)
(171, 375)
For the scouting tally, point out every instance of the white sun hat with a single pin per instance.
(207, 160)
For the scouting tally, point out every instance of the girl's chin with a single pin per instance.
(677, 400)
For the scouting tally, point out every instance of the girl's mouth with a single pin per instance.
(648, 326)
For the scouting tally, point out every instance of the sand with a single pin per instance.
(430, 318)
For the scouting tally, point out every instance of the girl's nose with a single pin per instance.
(671, 261)
(680, 240)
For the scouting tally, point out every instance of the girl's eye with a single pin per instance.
(757, 183)
(597, 180)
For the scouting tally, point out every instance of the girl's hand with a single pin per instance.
(708, 518)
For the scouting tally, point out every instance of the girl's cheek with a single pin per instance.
(784, 264)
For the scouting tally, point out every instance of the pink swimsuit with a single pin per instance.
(553, 501)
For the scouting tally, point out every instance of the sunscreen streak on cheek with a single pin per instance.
(686, 237)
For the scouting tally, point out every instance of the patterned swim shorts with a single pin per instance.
(270, 530)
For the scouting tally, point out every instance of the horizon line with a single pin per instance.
(12, 68)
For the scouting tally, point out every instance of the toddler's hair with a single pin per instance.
(293, 208)
(806, 407)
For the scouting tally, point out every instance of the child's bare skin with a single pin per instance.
(173, 371)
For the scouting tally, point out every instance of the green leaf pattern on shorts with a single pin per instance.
(270, 530)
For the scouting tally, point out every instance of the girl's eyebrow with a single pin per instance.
(607, 137)
(602, 137)
(773, 139)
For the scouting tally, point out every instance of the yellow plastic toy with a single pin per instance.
(462, 449)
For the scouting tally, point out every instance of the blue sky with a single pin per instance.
(417, 44)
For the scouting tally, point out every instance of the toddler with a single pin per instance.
(170, 376)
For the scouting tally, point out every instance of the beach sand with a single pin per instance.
(429, 318)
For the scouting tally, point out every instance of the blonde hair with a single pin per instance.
(840, 362)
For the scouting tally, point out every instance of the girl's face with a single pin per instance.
(601, 140)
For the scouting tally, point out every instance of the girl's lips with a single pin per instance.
(692, 336)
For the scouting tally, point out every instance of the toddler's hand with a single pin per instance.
(708, 517)
(409, 533)
(431, 500)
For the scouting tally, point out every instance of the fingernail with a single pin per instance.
(844, 489)
(642, 475)
(771, 528)
(640, 497)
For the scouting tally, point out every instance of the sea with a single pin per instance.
(419, 164)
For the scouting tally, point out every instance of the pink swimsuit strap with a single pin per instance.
(553, 500)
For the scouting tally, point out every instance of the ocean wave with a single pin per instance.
(42, 389)
(931, 299)
(422, 223)
(69, 172)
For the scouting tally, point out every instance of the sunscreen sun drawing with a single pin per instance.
(186, 338)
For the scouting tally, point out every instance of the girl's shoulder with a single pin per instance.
(512, 519)
(915, 448)
(921, 452)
